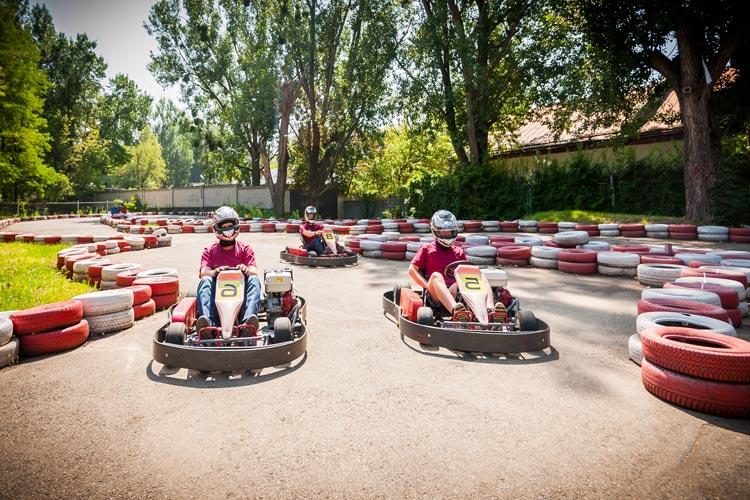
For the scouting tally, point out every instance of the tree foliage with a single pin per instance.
(172, 130)
(146, 167)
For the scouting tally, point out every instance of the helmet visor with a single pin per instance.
(446, 234)
(227, 231)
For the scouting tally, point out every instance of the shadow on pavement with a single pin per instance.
(217, 380)
(732, 424)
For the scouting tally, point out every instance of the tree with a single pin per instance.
(146, 167)
(169, 126)
(689, 45)
(23, 141)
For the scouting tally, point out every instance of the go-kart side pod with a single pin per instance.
(425, 332)
(301, 257)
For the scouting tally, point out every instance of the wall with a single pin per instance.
(198, 197)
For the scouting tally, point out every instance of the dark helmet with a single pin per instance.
(310, 213)
(444, 227)
(222, 216)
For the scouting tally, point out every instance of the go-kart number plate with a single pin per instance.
(328, 234)
(470, 282)
(228, 290)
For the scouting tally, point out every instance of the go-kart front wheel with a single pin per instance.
(526, 321)
(282, 330)
(175, 334)
(425, 316)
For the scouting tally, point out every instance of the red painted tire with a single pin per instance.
(550, 243)
(683, 228)
(148, 308)
(514, 252)
(695, 264)
(683, 306)
(577, 255)
(684, 236)
(125, 278)
(659, 259)
(299, 252)
(393, 247)
(141, 293)
(508, 227)
(409, 238)
(38, 344)
(578, 267)
(95, 270)
(405, 227)
(739, 239)
(633, 234)
(47, 317)
(739, 231)
(290, 228)
(735, 317)
(639, 249)
(86, 239)
(72, 259)
(700, 353)
(502, 261)
(737, 276)
(728, 296)
(374, 228)
(188, 228)
(53, 238)
(164, 301)
(394, 255)
(632, 227)
(708, 396)
(160, 285)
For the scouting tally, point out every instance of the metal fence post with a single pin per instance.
(612, 189)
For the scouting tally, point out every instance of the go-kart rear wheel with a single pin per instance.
(175, 334)
(312, 254)
(397, 291)
(526, 321)
(425, 316)
(282, 330)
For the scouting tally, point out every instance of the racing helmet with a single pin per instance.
(222, 216)
(310, 213)
(444, 227)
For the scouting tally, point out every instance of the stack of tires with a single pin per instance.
(481, 255)
(490, 226)
(633, 230)
(609, 230)
(393, 250)
(164, 284)
(50, 328)
(512, 255)
(544, 257)
(618, 263)
(422, 227)
(8, 343)
(577, 261)
(657, 275)
(109, 274)
(509, 226)
(107, 311)
(739, 234)
(412, 247)
(683, 300)
(528, 226)
(352, 244)
(371, 248)
(697, 369)
(682, 232)
(143, 304)
(591, 229)
(547, 227)
(657, 230)
(571, 239)
(713, 233)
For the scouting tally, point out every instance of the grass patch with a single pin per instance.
(590, 217)
(28, 276)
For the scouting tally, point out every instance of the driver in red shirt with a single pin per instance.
(312, 232)
(428, 265)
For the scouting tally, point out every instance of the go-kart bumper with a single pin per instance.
(320, 260)
(468, 340)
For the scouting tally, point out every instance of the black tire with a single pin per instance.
(192, 293)
(397, 292)
(282, 330)
(425, 316)
(527, 321)
(312, 254)
(175, 334)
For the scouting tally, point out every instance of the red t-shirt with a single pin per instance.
(214, 256)
(310, 226)
(432, 258)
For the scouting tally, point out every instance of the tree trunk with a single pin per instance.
(700, 149)
(289, 94)
(254, 166)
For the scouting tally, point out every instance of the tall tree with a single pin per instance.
(146, 166)
(689, 44)
(124, 110)
(23, 141)
(170, 126)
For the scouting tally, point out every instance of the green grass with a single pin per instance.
(28, 276)
(589, 217)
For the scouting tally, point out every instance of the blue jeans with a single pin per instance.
(316, 245)
(205, 305)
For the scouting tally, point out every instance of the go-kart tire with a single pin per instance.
(175, 334)
(527, 322)
(635, 349)
(47, 317)
(700, 353)
(38, 344)
(312, 254)
(397, 291)
(708, 396)
(425, 316)
(282, 330)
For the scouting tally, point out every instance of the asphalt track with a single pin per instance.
(364, 413)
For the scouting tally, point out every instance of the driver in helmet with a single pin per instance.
(225, 253)
(427, 266)
(312, 232)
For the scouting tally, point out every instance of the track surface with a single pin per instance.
(364, 413)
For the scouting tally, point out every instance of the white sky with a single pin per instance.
(117, 27)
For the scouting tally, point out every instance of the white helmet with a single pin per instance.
(223, 215)
(310, 213)
(444, 227)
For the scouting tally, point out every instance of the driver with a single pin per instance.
(225, 253)
(428, 265)
(312, 232)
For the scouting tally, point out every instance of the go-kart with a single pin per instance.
(423, 319)
(231, 347)
(334, 256)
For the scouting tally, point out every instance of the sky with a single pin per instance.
(117, 27)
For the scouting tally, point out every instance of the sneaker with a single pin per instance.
(253, 320)
(460, 313)
(202, 322)
(500, 314)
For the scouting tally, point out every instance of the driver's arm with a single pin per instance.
(416, 274)
(308, 233)
(207, 271)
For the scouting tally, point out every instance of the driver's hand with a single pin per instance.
(244, 269)
(219, 269)
(319, 233)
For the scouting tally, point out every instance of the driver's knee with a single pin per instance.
(252, 280)
(206, 282)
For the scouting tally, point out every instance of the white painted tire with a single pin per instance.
(105, 302)
(6, 330)
(712, 237)
(375, 237)
(9, 353)
(689, 294)
(657, 274)
(657, 228)
(414, 246)
(687, 257)
(610, 233)
(713, 230)
(109, 273)
(571, 238)
(373, 254)
(528, 223)
(481, 251)
(543, 263)
(80, 277)
(82, 266)
(545, 252)
(608, 226)
(391, 236)
(410, 255)
(744, 309)
(618, 259)
(477, 239)
(660, 235)
(490, 224)
(164, 242)
(108, 285)
(112, 251)
(370, 246)
(481, 261)
(112, 322)
(161, 271)
(635, 350)
(597, 246)
(686, 320)
(528, 241)
(201, 228)
(566, 226)
(627, 272)
(736, 286)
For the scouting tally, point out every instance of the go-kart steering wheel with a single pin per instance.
(450, 269)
